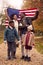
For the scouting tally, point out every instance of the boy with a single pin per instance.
(9, 37)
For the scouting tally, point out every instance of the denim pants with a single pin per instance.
(11, 48)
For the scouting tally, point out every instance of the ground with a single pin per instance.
(36, 57)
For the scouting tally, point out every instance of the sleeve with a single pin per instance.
(16, 34)
(36, 16)
(5, 35)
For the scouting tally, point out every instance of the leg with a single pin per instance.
(9, 50)
(26, 52)
(22, 45)
(28, 58)
(22, 50)
(13, 50)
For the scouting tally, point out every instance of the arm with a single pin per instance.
(7, 14)
(36, 16)
(28, 21)
(16, 34)
(33, 40)
(5, 35)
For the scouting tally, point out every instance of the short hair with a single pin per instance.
(11, 21)
(23, 13)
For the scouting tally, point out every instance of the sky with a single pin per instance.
(14, 3)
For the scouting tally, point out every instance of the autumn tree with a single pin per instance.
(38, 24)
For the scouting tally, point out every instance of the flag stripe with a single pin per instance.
(28, 12)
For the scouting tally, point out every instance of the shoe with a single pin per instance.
(26, 57)
(29, 59)
(22, 57)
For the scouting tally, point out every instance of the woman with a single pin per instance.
(14, 18)
(29, 42)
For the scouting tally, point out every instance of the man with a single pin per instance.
(23, 28)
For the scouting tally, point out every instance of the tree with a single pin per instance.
(2, 18)
(38, 24)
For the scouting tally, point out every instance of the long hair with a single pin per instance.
(11, 17)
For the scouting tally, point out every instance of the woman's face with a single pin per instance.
(15, 17)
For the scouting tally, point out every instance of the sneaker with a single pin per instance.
(29, 59)
(22, 57)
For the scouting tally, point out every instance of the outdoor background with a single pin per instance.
(38, 26)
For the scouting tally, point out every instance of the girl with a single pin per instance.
(29, 42)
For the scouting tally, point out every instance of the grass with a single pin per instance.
(39, 45)
(1, 37)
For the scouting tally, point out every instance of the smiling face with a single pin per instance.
(15, 17)
(11, 23)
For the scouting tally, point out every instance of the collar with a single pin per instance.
(10, 27)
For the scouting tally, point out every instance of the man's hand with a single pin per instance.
(17, 45)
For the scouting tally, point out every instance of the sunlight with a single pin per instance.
(15, 3)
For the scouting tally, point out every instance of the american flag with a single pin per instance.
(29, 13)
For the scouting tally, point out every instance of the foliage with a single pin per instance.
(38, 24)
(39, 45)
(2, 17)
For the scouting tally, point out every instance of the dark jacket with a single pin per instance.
(10, 35)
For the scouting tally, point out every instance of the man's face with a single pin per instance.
(22, 15)
(12, 24)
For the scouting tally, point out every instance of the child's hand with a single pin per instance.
(33, 45)
(17, 45)
(29, 45)
(5, 42)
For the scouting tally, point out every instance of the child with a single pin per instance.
(9, 37)
(29, 42)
